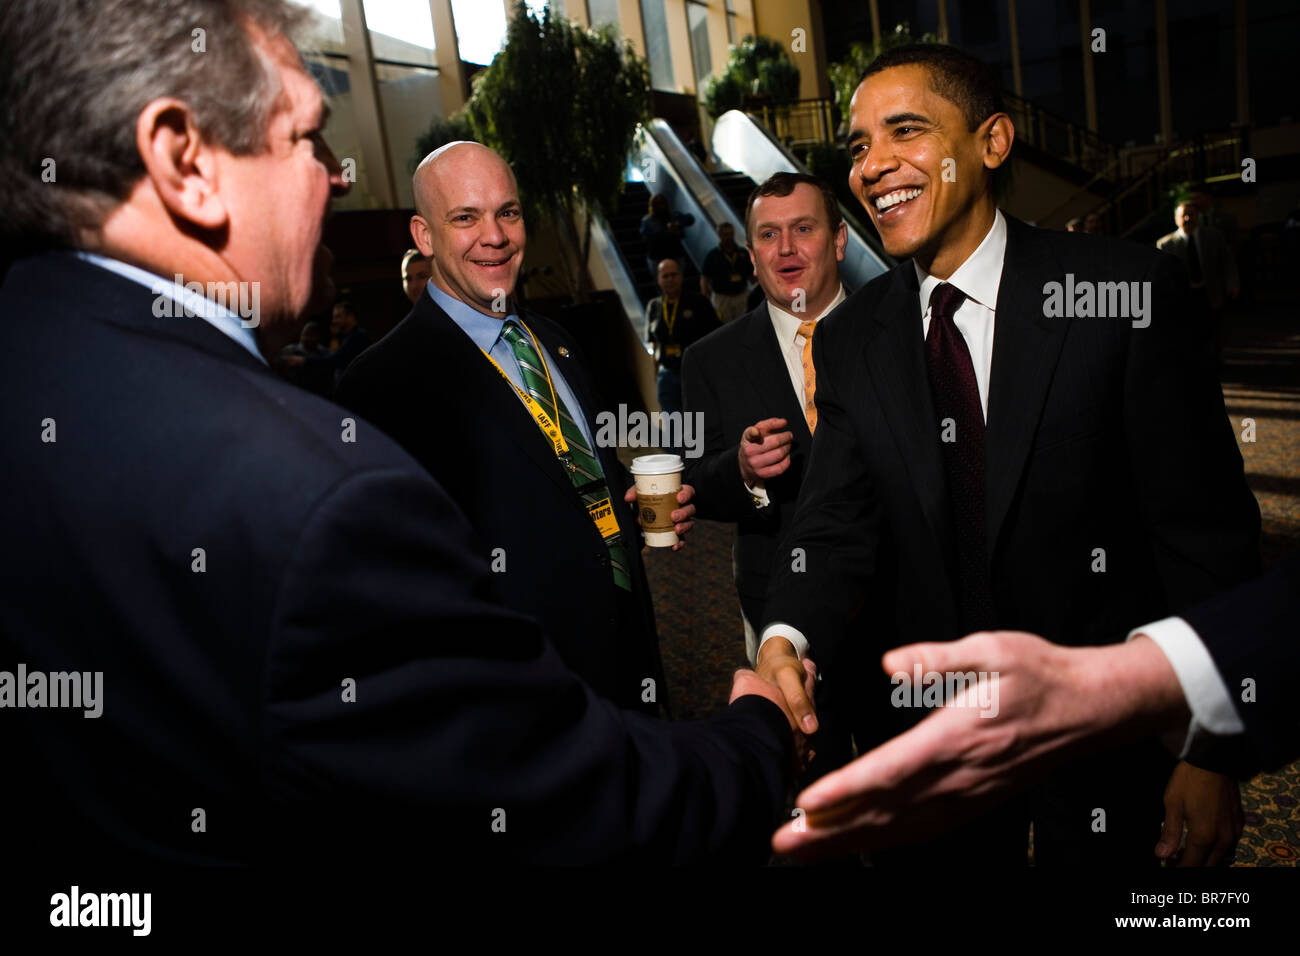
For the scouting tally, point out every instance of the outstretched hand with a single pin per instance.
(1041, 702)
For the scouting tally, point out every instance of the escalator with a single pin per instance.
(736, 187)
(625, 227)
(743, 145)
(660, 163)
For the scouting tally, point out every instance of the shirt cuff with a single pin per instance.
(791, 634)
(1207, 695)
(758, 495)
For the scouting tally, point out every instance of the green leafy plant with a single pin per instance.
(453, 129)
(757, 67)
(561, 104)
(845, 74)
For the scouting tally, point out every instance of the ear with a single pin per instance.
(841, 240)
(423, 236)
(179, 164)
(997, 133)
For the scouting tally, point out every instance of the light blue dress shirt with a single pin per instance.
(188, 302)
(486, 332)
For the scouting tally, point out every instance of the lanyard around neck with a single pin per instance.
(551, 429)
(671, 319)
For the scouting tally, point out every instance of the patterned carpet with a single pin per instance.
(703, 640)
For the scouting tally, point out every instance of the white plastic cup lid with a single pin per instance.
(656, 464)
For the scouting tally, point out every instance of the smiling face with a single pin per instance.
(471, 224)
(794, 250)
(920, 172)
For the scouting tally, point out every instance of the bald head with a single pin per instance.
(445, 164)
(469, 222)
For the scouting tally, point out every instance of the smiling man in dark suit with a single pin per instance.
(748, 379)
(301, 655)
(985, 458)
(449, 384)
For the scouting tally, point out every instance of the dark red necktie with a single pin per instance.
(957, 398)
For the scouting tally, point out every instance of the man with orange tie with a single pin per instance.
(753, 382)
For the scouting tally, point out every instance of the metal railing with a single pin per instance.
(1204, 158)
(1059, 137)
(795, 125)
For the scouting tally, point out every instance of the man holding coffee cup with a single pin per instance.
(496, 404)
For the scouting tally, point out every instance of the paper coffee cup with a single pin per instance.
(658, 479)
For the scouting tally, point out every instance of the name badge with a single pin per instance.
(671, 350)
(602, 513)
(735, 277)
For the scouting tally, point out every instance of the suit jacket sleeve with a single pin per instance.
(720, 493)
(1202, 520)
(837, 522)
(464, 716)
(1253, 634)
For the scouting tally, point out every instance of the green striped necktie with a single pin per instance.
(585, 473)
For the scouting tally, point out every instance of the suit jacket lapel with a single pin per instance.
(1026, 345)
(895, 357)
(769, 376)
(480, 382)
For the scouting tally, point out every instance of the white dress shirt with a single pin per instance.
(786, 324)
(979, 277)
(1203, 686)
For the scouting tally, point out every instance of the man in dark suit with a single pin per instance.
(446, 385)
(1211, 268)
(751, 382)
(297, 649)
(747, 380)
(1215, 679)
(1072, 474)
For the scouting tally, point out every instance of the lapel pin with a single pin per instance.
(564, 353)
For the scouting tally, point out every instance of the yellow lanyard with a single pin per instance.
(553, 432)
(671, 320)
(731, 259)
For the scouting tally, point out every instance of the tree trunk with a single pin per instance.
(574, 251)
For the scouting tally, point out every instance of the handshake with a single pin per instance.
(788, 682)
(962, 760)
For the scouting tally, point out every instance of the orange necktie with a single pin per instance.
(806, 329)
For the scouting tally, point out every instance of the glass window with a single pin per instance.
(410, 100)
(655, 22)
(480, 28)
(400, 30)
(601, 12)
(697, 18)
(331, 71)
(327, 25)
